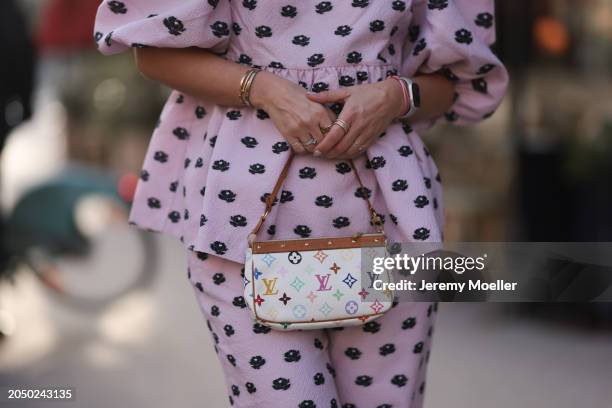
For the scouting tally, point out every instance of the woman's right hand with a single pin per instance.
(296, 117)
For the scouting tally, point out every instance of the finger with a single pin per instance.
(359, 148)
(333, 136)
(360, 145)
(295, 144)
(308, 136)
(356, 131)
(319, 131)
(336, 133)
(317, 135)
(326, 119)
(326, 122)
(329, 96)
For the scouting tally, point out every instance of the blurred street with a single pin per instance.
(153, 350)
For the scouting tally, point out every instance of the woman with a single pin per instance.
(212, 160)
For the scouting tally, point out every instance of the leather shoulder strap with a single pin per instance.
(374, 217)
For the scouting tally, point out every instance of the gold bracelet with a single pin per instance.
(242, 84)
(247, 89)
(243, 80)
(245, 85)
(249, 85)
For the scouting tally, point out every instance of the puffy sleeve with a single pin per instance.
(453, 37)
(123, 24)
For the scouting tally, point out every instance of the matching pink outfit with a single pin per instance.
(208, 168)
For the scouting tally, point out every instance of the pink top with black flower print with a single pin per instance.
(209, 168)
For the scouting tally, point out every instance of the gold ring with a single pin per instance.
(325, 129)
(345, 126)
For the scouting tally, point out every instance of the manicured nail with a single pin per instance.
(317, 153)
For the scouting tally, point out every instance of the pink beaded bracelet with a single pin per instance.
(405, 104)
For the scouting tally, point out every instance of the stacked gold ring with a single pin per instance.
(245, 85)
(343, 124)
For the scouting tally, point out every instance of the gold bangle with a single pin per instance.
(249, 84)
(243, 81)
(245, 85)
(244, 78)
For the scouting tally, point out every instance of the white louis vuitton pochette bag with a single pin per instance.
(315, 283)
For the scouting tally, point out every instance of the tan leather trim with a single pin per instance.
(356, 317)
(305, 244)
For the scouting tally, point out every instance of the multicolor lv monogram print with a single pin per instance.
(313, 289)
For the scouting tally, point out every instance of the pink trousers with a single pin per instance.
(379, 365)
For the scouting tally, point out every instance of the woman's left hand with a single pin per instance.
(368, 109)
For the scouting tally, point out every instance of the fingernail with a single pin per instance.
(317, 153)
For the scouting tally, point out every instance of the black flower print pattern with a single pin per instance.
(200, 112)
(159, 156)
(209, 167)
(270, 364)
(154, 203)
(360, 3)
(117, 7)
(220, 29)
(400, 185)
(263, 31)
(323, 7)
(343, 30)
(316, 59)
(377, 25)
(324, 201)
(238, 221)
(257, 168)
(353, 57)
(174, 25)
(320, 87)
(463, 36)
(484, 20)
(280, 147)
(308, 173)
(281, 383)
(289, 11)
(181, 133)
(437, 4)
(249, 142)
(301, 40)
(480, 85)
(398, 5)
(303, 231)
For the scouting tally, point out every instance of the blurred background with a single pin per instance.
(89, 302)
